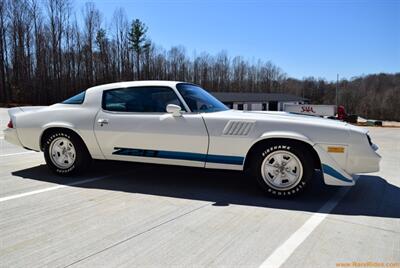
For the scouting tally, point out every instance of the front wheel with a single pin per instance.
(282, 169)
(65, 154)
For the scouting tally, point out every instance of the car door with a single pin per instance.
(133, 125)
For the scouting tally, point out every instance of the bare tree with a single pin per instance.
(47, 55)
(4, 96)
(57, 11)
(91, 23)
(120, 36)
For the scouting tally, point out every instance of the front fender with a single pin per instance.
(289, 135)
(333, 173)
(284, 135)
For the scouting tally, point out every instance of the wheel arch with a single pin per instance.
(297, 140)
(52, 129)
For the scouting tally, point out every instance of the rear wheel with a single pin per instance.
(65, 153)
(282, 168)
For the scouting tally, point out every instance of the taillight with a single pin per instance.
(10, 124)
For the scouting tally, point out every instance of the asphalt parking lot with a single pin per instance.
(125, 214)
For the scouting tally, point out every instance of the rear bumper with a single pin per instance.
(11, 136)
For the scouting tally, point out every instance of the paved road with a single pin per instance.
(123, 214)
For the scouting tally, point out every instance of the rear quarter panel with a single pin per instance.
(79, 118)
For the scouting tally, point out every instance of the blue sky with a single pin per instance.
(304, 38)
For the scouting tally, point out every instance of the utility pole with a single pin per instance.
(337, 85)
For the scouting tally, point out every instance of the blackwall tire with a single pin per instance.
(65, 153)
(282, 169)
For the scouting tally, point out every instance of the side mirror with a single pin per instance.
(173, 109)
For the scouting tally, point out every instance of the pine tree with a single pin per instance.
(138, 41)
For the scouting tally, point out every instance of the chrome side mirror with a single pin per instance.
(175, 110)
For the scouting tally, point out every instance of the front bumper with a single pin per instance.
(11, 136)
(333, 172)
(364, 160)
(374, 159)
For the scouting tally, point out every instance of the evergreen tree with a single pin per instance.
(138, 41)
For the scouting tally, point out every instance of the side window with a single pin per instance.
(77, 99)
(140, 99)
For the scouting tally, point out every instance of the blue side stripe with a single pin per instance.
(224, 159)
(219, 159)
(181, 156)
(334, 173)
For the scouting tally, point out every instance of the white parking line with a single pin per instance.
(30, 152)
(283, 252)
(11, 197)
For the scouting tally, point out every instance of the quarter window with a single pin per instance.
(140, 99)
(77, 99)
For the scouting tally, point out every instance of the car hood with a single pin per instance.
(317, 129)
(311, 120)
(282, 116)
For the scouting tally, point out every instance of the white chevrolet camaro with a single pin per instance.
(177, 123)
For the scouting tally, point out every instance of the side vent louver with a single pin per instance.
(238, 128)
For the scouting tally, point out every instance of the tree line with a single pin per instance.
(49, 51)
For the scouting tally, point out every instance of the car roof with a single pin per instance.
(135, 84)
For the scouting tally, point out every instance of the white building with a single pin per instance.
(258, 101)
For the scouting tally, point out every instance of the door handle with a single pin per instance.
(102, 121)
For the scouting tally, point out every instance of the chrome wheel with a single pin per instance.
(281, 170)
(62, 153)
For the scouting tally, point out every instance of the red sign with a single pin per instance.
(307, 109)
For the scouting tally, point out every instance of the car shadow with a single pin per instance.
(371, 196)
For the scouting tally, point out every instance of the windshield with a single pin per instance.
(200, 100)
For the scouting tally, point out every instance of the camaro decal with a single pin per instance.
(332, 172)
(219, 159)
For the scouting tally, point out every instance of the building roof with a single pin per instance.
(255, 97)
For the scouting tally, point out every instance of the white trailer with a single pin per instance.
(311, 109)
